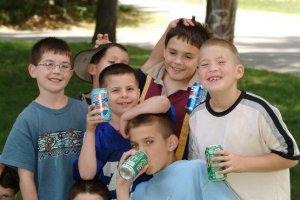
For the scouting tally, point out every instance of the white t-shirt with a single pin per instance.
(251, 127)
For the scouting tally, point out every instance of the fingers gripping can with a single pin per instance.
(213, 172)
(133, 165)
(99, 97)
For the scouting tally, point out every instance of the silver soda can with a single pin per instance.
(133, 165)
(99, 97)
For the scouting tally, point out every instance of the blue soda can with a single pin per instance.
(99, 97)
(197, 95)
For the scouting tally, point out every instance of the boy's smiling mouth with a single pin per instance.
(214, 78)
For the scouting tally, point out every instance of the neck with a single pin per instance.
(222, 102)
(115, 121)
(172, 85)
(52, 101)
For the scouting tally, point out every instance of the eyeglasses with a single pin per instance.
(51, 66)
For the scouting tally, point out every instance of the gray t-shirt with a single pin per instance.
(46, 141)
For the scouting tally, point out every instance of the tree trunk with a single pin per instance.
(220, 17)
(106, 18)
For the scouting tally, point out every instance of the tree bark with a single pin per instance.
(220, 17)
(106, 18)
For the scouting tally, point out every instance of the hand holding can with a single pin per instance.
(213, 172)
(133, 165)
(99, 97)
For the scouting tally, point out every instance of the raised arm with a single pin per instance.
(155, 104)
(27, 185)
(87, 163)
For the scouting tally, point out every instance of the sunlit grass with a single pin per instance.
(17, 90)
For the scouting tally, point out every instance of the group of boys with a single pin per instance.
(48, 135)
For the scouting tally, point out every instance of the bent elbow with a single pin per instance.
(293, 163)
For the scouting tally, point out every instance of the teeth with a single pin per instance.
(213, 79)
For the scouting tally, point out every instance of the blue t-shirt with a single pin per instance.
(46, 141)
(183, 180)
(110, 146)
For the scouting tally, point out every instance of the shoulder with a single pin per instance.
(258, 104)
(77, 104)
(190, 164)
(155, 70)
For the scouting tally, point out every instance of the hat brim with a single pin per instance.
(83, 58)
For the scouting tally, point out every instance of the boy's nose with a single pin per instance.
(178, 60)
(212, 68)
(124, 93)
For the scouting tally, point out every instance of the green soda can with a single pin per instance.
(133, 165)
(212, 172)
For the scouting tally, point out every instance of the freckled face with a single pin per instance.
(181, 59)
(148, 139)
(123, 92)
(218, 69)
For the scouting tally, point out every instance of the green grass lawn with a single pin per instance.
(17, 90)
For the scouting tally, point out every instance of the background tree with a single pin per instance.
(106, 18)
(220, 17)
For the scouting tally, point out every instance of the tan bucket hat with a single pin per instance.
(83, 58)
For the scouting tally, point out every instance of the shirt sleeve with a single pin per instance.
(20, 149)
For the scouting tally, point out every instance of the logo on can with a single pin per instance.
(133, 165)
(197, 95)
(213, 172)
(99, 97)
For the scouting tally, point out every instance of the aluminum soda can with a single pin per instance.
(212, 172)
(133, 165)
(197, 95)
(99, 97)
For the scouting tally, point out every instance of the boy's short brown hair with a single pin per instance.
(116, 69)
(91, 187)
(50, 44)
(194, 35)
(223, 43)
(162, 122)
(9, 179)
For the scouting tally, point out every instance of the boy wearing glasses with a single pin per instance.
(47, 135)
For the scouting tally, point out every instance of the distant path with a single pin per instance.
(265, 40)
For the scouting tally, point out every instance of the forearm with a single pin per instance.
(87, 163)
(27, 185)
(122, 193)
(155, 104)
(157, 53)
(266, 163)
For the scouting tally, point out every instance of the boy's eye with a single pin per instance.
(134, 146)
(111, 62)
(172, 52)
(188, 57)
(131, 88)
(65, 66)
(203, 65)
(148, 142)
(114, 90)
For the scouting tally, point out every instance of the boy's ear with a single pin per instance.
(239, 71)
(172, 142)
(92, 69)
(32, 70)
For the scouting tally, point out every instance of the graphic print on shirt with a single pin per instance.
(59, 143)
(110, 169)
